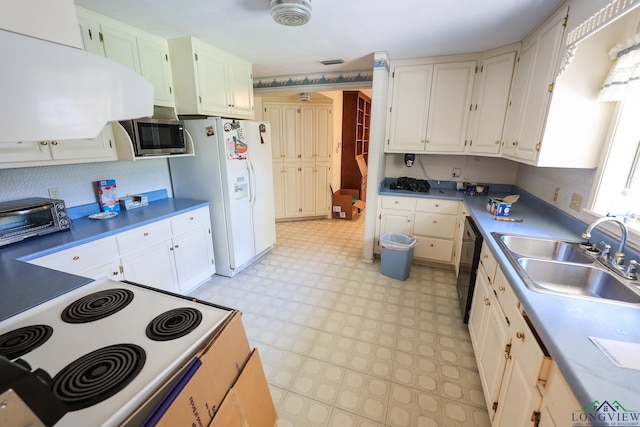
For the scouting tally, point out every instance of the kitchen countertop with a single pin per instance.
(563, 323)
(24, 285)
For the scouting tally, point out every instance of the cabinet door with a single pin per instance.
(291, 138)
(279, 195)
(323, 134)
(491, 359)
(322, 173)
(212, 83)
(449, 105)
(24, 151)
(548, 42)
(90, 31)
(240, 81)
(153, 266)
(273, 114)
(307, 133)
(193, 253)
(102, 147)
(396, 221)
(292, 187)
(493, 99)
(307, 176)
(120, 46)
(410, 93)
(479, 313)
(155, 67)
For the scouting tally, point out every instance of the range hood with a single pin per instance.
(53, 91)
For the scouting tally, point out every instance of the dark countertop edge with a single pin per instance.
(563, 323)
(25, 285)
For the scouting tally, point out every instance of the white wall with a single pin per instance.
(336, 142)
(76, 181)
(439, 167)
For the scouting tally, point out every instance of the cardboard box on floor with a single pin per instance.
(222, 361)
(249, 402)
(343, 205)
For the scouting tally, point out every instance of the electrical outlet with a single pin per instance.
(556, 194)
(55, 193)
(456, 172)
(576, 201)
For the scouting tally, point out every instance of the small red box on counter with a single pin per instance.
(107, 195)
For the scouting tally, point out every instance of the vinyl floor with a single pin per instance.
(343, 345)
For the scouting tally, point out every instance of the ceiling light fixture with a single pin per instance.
(332, 61)
(291, 12)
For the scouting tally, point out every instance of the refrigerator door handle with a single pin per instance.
(252, 183)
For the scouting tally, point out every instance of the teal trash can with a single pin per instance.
(396, 255)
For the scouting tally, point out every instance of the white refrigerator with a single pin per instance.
(231, 169)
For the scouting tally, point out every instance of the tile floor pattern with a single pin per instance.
(342, 345)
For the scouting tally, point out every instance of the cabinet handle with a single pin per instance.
(54, 142)
(486, 301)
(435, 221)
(115, 273)
(514, 143)
(501, 288)
(145, 234)
(176, 246)
(190, 218)
(431, 245)
(520, 335)
(75, 258)
(497, 142)
(200, 99)
(437, 206)
(44, 142)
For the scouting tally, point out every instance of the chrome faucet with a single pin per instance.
(615, 262)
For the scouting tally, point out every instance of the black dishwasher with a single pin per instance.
(469, 258)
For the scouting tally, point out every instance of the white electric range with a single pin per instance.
(108, 346)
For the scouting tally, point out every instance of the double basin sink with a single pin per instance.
(566, 268)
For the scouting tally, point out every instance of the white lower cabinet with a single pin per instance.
(95, 260)
(174, 254)
(523, 387)
(432, 222)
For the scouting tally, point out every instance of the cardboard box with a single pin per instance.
(249, 402)
(496, 206)
(108, 195)
(204, 387)
(344, 206)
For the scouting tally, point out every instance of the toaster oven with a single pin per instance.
(36, 216)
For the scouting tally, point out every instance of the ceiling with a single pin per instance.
(348, 29)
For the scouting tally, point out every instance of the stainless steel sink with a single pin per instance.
(546, 249)
(565, 268)
(576, 279)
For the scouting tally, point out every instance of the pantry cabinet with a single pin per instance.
(174, 254)
(56, 152)
(144, 53)
(432, 222)
(429, 106)
(210, 81)
(301, 153)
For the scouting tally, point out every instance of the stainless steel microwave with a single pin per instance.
(36, 216)
(154, 137)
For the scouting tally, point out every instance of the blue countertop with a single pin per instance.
(563, 323)
(23, 285)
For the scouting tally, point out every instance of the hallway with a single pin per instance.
(343, 345)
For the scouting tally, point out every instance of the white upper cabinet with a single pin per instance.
(210, 81)
(490, 110)
(429, 105)
(142, 52)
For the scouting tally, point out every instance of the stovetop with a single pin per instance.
(113, 341)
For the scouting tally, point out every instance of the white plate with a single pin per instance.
(103, 215)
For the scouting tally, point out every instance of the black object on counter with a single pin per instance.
(411, 184)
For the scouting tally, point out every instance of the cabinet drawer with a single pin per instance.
(488, 262)
(81, 258)
(196, 219)
(433, 249)
(437, 205)
(143, 236)
(402, 203)
(508, 300)
(435, 225)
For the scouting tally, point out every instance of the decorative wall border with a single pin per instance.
(319, 79)
(381, 60)
(601, 18)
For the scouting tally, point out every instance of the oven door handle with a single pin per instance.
(28, 211)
